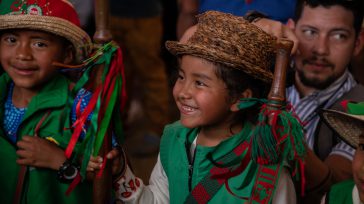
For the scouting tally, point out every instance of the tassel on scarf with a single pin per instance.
(277, 136)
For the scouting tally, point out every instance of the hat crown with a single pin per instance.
(235, 37)
(231, 41)
(53, 8)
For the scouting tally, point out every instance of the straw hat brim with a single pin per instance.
(177, 48)
(349, 127)
(58, 26)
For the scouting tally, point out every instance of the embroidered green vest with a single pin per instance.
(173, 154)
(40, 185)
(341, 193)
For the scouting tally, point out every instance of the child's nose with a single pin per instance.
(185, 91)
(23, 52)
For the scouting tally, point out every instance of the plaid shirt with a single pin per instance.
(307, 109)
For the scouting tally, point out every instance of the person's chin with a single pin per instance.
(188, 123)
(315, 81)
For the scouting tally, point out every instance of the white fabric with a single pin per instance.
(356, 199)
(157, 190)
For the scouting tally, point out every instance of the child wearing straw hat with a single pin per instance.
(205, 156)
(349, 126)
(36, 100)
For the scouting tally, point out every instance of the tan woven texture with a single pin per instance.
(232, 41)
(58, 26)
(349, 127)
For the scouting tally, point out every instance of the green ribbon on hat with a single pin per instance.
(356, 108)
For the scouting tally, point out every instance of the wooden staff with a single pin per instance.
(277, 101)
(102, 34)
(277, 93)
(102, 186)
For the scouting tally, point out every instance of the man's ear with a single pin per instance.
(359, 43)
(248, 93)
(68, 55)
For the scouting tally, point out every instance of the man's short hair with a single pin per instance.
(355, 6)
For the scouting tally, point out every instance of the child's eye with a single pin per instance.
(9, 39)
(40, 44)
(180, 77)
(200, 83)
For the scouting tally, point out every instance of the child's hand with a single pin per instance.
(94, 164)
(117, 157)
(118, 160)
(38, 152)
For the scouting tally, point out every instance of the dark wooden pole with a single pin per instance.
(102, 186)
(102, 34)
(277, 94)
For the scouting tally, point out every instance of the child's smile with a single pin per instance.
(187, 109)
(23, 69)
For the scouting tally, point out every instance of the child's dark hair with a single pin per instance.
(237, 82)
(355, 6)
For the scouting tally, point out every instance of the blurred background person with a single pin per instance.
(136, 25)
(280, 10)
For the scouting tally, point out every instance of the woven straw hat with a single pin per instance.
(54, 16)
(231, 41)
(349, 126)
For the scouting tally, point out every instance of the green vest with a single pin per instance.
(341, 193)
(40, 185)
(173, 154)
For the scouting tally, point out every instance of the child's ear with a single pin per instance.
(248, 93)
(68, 55)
